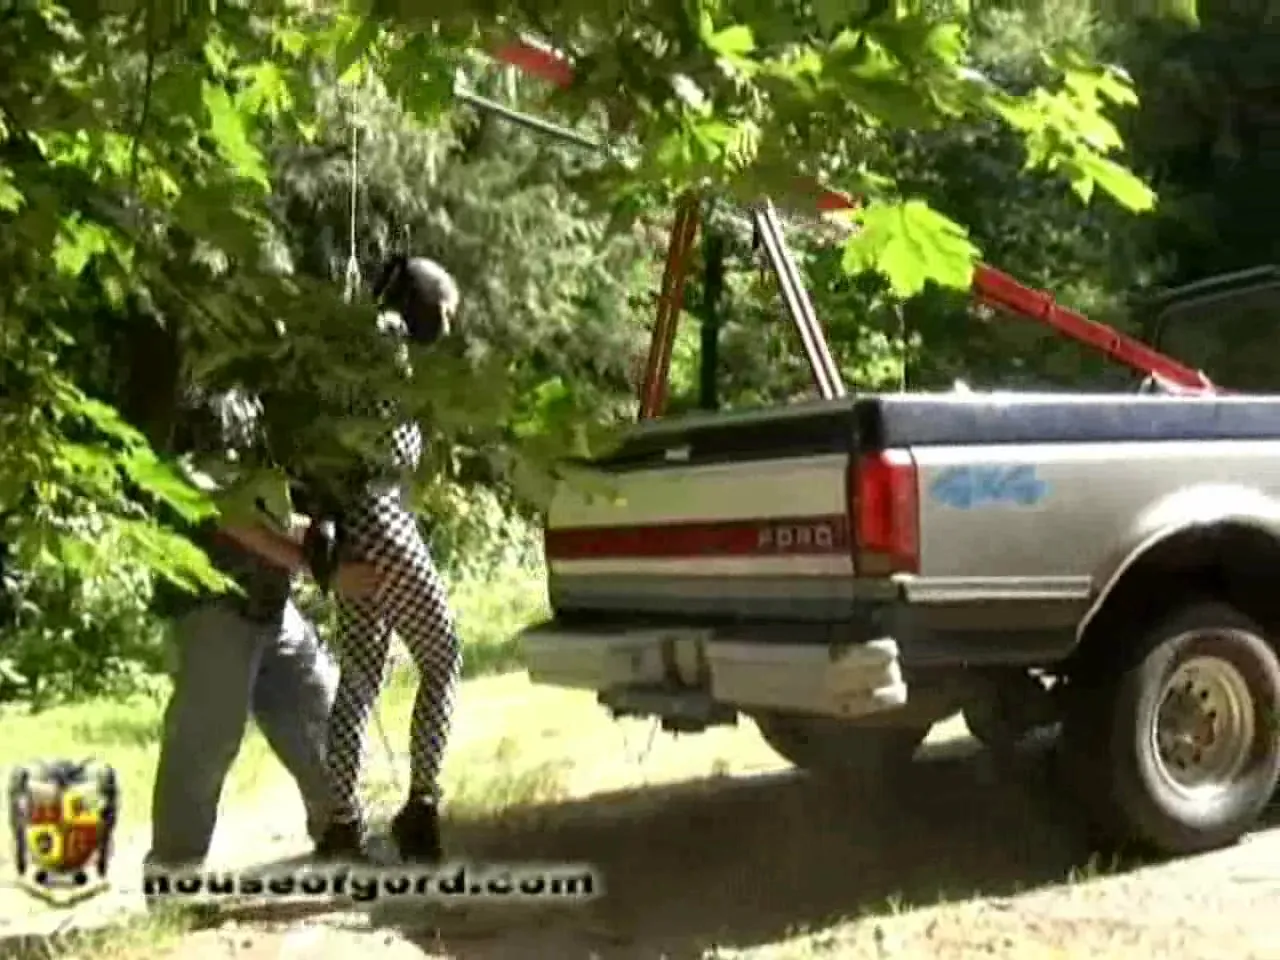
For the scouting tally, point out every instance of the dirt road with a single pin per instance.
(724, 853)
(769, 866)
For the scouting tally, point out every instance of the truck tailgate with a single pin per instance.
(734, 516)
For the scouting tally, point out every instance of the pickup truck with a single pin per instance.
(850, 572)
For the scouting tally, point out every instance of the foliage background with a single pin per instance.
(128, 247)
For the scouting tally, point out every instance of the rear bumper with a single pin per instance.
(843, 680)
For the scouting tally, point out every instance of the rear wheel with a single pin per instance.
(1177, 747)
(829, 747)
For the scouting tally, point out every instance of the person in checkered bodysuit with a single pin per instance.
(378, 527)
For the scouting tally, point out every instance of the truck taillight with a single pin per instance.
(885, 509)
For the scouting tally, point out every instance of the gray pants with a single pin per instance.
(229, 667)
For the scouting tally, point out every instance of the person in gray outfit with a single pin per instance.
(253, 654)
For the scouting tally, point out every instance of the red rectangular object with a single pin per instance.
(774, 536)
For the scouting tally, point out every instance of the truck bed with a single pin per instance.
(746, 516)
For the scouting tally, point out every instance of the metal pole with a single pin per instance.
(653, 395)
(713, 248)
(525, 120)
(826, 375)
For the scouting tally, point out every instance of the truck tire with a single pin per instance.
(828, 747)
(1175, 747)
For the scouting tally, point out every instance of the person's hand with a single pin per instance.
(298, 526)
(356, 580)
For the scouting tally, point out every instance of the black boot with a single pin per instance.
(416, 831)
(342, 841)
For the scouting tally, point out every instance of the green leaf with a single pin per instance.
(910, 244)
(712, 138)
(266, 89)
(77, 243)
(353, 47)
(227, 128)
(674, 152)
(1124, 185)
(218, 215)
(551, 403)
(90, 463)
(104, 418)
(834, 14)
(175, 558)
(290, 41)
(732, 42)
(1082, 187)
(1115, 85)
(11, 198)
(166, 484)
(429, 96)
(1184, 11)
(946, 42)
(218, 54)
(261, 495)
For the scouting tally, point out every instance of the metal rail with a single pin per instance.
(795, 295)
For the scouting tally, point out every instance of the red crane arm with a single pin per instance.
(990, 286)
(536, 61)
(998, 289)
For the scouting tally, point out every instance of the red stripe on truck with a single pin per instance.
(787, 536)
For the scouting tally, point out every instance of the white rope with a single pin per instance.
(353, 279)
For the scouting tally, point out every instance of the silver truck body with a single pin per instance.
(735, 576)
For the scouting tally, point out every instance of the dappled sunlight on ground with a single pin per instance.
(710, 846)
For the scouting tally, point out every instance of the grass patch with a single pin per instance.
(147, 936)
(123, 733)
(482, 779)
(489, 786)
(491, 616)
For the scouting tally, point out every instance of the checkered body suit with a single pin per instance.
(378, 528)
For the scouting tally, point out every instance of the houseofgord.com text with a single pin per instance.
(365, 884)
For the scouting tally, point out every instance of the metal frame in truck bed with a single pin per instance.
(990, 287)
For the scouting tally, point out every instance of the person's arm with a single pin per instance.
(273, 547)
(351, 579)
(304, 547)
(279, 547)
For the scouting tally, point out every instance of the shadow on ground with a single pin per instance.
(738, 862)
(742, 862)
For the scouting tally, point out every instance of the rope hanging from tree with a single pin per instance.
(353, 280)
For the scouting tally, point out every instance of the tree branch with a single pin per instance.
(144, 113)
